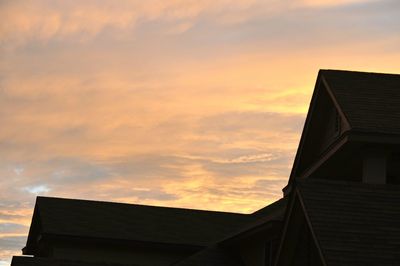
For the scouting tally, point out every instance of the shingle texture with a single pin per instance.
(212, 256)
(35, 261)
(355, 224)
(135, 222)
(370, 101)
(272, 213)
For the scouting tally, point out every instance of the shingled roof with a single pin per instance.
(37, 261)
(212, 256)
(106, 220)
(220, 254)
(265, 217)
(354, 223)
(347, 106)
(370, 101)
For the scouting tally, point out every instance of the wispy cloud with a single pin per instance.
(182, 103)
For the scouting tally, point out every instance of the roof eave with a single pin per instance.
(34, 232)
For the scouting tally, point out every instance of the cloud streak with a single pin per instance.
(45, 20)
(196, 104)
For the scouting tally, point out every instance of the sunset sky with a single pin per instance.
(195, 104)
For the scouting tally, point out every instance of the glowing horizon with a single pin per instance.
(194, 104)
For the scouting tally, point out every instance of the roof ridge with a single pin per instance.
(40, 198)
(358, 72)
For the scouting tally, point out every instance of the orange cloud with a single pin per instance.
(193, 104)
(324, 3)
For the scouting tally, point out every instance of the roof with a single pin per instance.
(37, 261)
(274, 211)
(370, 101)
(367, 105)
(354, 223)
(268, 220)
(212, 256)
(220, 254)
(106, 220)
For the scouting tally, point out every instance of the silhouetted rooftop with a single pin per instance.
(106, 220)
(355, 223)
(370, 101)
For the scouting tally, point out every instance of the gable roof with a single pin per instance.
(354, 223)
(370, 101)
(367, 103)
(131, 222)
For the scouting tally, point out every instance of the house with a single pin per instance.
(341, 205)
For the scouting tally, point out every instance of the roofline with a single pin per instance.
(257, 229)
(328, 153)
(317, 88)
(317, 244)
(258, 225)
(36, 232)
(311, 108)
(335, 102)
(363, 72)
(289, 210)
(285, 226)
(140, 205)
(35, 224)
(271, 205)
(347, 125)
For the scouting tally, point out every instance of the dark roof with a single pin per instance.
(36, 261)
(106, 220)
(354, 223)
(273, 213)
(212, 256)
(220, 254)
(370, 101)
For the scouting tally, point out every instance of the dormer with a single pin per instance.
(352, 129)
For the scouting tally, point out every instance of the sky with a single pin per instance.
(194, 104)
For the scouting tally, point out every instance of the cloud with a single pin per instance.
(38, 189)
(9, 216)
(7, 228)
(230, 122)
(46, 21)
(10, 246)
(85, 177)
(195, 104)
(329, 3)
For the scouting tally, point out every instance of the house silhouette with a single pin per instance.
(341, 205)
